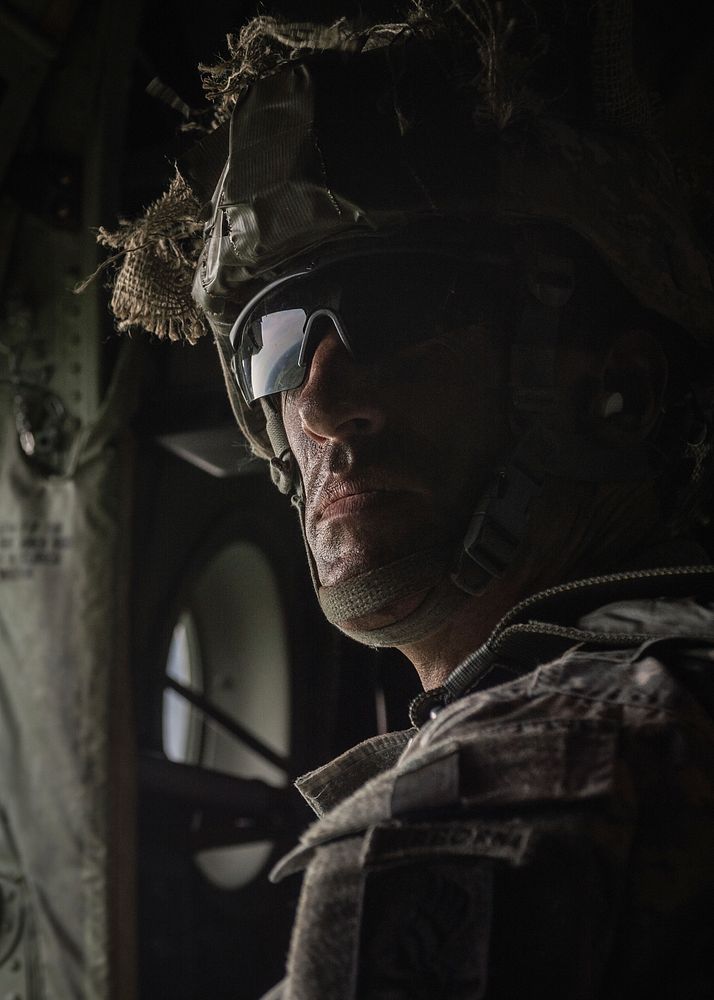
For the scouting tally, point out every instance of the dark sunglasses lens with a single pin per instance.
(269, 353)
(388, 305)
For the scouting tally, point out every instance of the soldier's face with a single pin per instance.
(395, 452)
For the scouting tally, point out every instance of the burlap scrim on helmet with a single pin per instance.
(475, 26)
(156, 258)
(261, 46)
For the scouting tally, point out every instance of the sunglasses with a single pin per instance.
(378, 304)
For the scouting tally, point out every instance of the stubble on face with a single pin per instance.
(372, 498)
(371, 502)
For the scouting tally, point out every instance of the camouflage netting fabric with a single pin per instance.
(151, 288)
(478, 30)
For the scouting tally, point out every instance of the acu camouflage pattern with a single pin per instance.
(549, 836)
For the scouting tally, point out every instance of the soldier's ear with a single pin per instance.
(631, 387)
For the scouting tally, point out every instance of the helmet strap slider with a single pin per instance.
(499, 524)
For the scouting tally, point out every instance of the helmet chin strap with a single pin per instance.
(346, 604)
(437, 606)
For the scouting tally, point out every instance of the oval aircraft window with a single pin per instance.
(230, 645)
(181, 721)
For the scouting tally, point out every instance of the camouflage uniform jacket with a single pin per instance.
(550, 835)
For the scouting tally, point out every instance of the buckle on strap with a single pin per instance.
(497, 527)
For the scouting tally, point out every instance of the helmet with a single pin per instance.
(381, 141)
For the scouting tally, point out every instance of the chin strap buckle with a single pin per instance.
(498, 527)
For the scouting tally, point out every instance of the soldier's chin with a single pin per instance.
(392, 614)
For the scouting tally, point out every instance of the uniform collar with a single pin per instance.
(327, 786)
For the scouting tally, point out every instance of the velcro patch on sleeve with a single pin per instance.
(548, 760)
(426, 931)
(397, 843)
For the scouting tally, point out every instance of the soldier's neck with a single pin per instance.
(577, 530)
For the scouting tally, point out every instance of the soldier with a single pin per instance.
(467, 322)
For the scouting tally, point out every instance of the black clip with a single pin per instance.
(497, 528)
